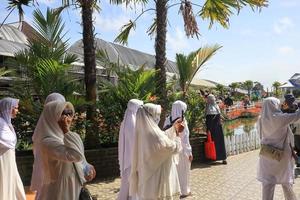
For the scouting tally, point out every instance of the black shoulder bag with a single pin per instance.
(84, 193)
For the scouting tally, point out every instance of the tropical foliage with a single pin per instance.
(189, 65)
(113, 98)
(248, 85)
(276, 86)
(46, 60)
(214, 10)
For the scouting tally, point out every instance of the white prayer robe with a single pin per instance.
(183, 162)
(125, 145)
(273, 126)
(58, 153)
(11, 186)
(64, 182)
(153, 173)
(37, 176)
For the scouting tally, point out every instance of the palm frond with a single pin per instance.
(4, 72)
(189, 65)
(18, 4)
(122, 38)
(220, 10)
(202, 56)
(152, 29)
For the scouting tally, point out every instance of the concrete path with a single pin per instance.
(234, 181)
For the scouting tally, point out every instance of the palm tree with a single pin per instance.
(214, 10)
(276, 86)
(221, 89)
(46, 60)
(189, 65)
(234, 86)
(17, 4)
(248, 85)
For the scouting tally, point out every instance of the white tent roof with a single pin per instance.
(125, 55)
(202, 83)
(12, 40)
(287, 85)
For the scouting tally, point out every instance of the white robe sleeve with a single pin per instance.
(174, 146)
(187, 149)
(71, 150)
(288, 118)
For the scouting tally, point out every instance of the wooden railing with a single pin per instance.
(245, 142)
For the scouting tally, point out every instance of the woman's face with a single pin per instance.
(14, 111)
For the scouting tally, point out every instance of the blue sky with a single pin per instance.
(259, 46)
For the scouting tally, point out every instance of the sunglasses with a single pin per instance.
(67, 112)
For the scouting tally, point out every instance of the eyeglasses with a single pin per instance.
(67, 112)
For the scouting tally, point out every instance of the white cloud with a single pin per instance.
(177, 41)
(110, 23)
(283, 25)
(286, 50)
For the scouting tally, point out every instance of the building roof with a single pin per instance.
(126, 56)
(12, 40)
(202, 83)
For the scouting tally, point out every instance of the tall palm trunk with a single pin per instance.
(160, 50)
(89, 69)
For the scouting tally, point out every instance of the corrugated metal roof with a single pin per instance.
(12, 40)
(12, 34)
(9, 48)
(202, 83)
(125, 55)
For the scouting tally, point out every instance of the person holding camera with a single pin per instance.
(153, 169)
(185, 156)
(62, 154)
(275, 165)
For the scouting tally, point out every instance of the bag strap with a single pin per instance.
(77, 175)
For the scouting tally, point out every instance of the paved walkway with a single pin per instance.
(234, 181)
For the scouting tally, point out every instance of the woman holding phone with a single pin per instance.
(62, 154)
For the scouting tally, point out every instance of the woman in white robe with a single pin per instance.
(153, 170)
(273, 126)
(60, 148)
(125, 145)
(11, 186)
(185, 155)
(37, 176)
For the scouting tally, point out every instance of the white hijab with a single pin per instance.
(179, 108)
(151, 146)
(55, 97)
(37, 174)
(126, 134)
(273, 124)
(49, 128)
(7, 133)
(51, 97)
(212, 107)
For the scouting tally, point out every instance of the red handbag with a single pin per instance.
(210, 149)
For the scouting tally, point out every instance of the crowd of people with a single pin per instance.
(154, 163)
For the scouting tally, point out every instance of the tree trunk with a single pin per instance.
(89, 71)
(160, 51)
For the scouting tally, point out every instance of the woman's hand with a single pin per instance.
(191, 158)
(91, 174)
(65, 123)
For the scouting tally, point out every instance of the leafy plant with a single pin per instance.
(195, 112)
(189, 65)
(113, 98)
